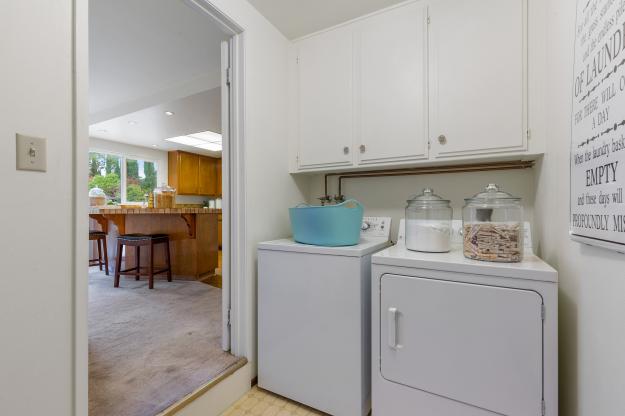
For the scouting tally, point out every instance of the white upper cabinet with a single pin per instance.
(477, 77)
(425, 81)
(325, 125)
(391, 80)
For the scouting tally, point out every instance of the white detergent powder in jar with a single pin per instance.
(428, 235)
(428, 223)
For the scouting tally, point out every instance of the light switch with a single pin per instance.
(31, 153)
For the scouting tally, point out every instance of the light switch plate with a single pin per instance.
(31, 153)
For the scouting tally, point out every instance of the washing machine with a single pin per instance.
(314, 321)
(459, 337)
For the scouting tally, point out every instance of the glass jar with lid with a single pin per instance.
(164, 197)
(428, 223)
(493, 226)
(97, 197)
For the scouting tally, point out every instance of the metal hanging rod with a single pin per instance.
(427, 170)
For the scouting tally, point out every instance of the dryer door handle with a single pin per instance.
(392, 327)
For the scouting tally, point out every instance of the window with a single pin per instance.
(123, 179)
(140, 179)
(105, 173)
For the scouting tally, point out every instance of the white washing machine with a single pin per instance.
(459, 337)
(314, 321)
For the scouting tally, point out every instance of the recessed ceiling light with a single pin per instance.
(154, 145)
(206, 140)
(102, 131)
(169, 113)
(208, 136)
(189, 141)
(215, 147)
(132, 122)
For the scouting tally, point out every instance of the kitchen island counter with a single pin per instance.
(193, 234)
(139, 210)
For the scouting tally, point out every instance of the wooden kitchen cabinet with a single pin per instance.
(207, 181)
(193, 174)
(426, 81)
(219, 177)
(187, 167)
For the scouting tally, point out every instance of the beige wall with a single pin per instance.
(36, 345)
(592, 280)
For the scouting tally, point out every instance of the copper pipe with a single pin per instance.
(470, 167)
(479, 167)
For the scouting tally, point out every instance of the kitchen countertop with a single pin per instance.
(138, 210)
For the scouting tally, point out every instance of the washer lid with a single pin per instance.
(531, 268)
(366, 246)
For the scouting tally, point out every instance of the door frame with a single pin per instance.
(234, 213)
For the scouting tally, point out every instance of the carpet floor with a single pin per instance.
(150, 348)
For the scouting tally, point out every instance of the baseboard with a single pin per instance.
(217, 396)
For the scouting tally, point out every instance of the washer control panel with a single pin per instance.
(378, 227)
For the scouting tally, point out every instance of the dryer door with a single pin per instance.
(476, 344)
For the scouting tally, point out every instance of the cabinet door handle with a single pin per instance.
(363, 148)
(442, 139)
(346, 150)
(392, 327)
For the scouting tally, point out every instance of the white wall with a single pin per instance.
(387, 196)
(36, 346)
(592, 281)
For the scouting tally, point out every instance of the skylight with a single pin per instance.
(206, 140)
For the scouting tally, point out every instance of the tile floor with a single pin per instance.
(259, 402)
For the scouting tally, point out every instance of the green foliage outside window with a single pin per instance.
(134, 193)
(105, 172)
(140, 178)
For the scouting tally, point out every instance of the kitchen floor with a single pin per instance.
(259, 402)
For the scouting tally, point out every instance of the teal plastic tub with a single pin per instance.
(329, 225)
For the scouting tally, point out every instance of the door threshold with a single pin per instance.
(189, 398)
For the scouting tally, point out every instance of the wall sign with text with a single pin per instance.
(598, 125)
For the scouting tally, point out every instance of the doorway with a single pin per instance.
(126, 342)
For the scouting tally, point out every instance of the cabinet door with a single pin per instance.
(476, 344)
(477, 77)
(219, 178)
(188, 173)
(325, 99)
(392, 83)
(207, 176)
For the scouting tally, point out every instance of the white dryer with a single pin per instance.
(459, 337)
(314, 321)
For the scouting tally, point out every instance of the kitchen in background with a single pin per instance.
(155, 217)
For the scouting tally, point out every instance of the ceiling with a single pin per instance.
(151, 126)
(145, 52)
(296, 18)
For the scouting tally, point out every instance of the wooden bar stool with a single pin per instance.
(138, 241)
(100, 237)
